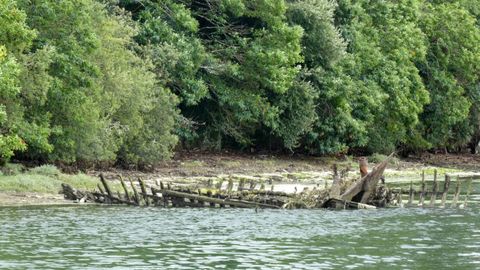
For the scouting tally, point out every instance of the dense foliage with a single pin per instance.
(121, 80)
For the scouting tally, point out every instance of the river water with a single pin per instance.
(95, 237)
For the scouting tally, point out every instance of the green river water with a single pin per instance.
(94, 237)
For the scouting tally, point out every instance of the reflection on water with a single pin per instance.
(147, 238)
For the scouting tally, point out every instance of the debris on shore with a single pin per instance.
(368, 192)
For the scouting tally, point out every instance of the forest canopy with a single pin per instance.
(132, 81)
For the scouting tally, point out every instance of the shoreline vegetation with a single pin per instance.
(41, 185)
(130, 83)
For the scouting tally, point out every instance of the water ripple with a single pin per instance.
(146, 238)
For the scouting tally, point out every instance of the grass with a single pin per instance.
(46, 179)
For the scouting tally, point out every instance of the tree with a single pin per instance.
(451, 74)
(97, 91)
(15, 37)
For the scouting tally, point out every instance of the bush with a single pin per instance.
(12, 169)
(46, 170)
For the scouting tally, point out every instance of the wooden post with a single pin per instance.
(446, 187)
(400, 199)
(154, 196)
(469, 190)
(230, 185)
(422, 192)
(241, 185)
(434, 189)
(100, 189)
(144, 191)
(219, 184)
(135, 193)
(252, 185)
(457, 192)
(105, 185)
(127, 196)
(209, 194)
(411, 194)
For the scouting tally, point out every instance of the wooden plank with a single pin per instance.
(433, 198)
(230, 202)
(342, 204)
(446, 187)
(366, 185)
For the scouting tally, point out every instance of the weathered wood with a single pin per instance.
(335, 189)
(124, 186)
(252, 185)
(363, 165)
(144, 191)
(446, 187)
(361, 190)
(73, 194)
(100, 189)
(236, 203)
(343, 204)
(230, 185)
(469, 190)
(457, 192)
(135, 192)
(411, 194)
(106, 186)
(241, 185)
(433, 198)
(113, 200)
(400, 199)
(422, 192)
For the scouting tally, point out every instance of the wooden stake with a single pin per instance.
(230, 185)
(457, 192)
(144, 191)
(446, 187)
(241, 184)
(422, 192)
(399, 199)
(105, 185)
(127, 196)
(100, 189)
(135, 193)
(434, 189)
(469, 190)
(411, 194)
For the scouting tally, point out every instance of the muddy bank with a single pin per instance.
(286, 174)
(30, 198)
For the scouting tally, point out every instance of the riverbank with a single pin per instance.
(41, 185)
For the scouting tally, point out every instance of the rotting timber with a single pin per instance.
(365, 193)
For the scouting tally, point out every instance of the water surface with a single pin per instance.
(94, 237)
